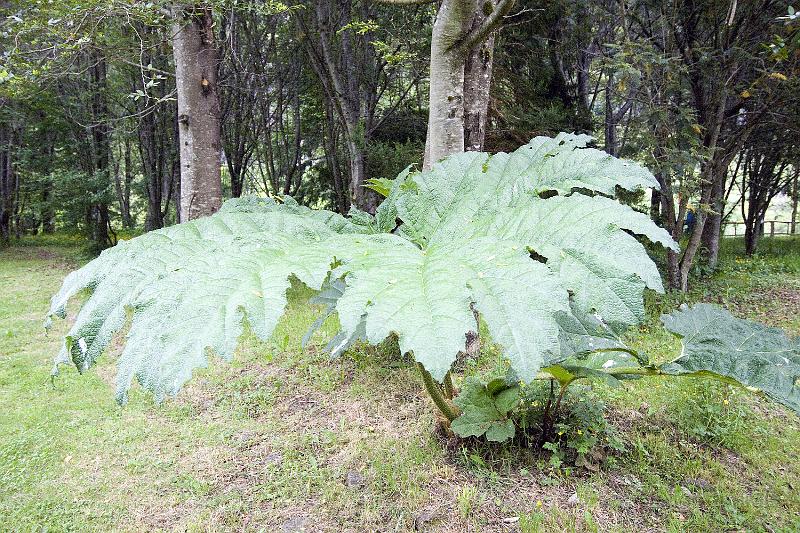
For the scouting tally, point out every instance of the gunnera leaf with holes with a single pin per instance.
(717, 343)
(529, 239)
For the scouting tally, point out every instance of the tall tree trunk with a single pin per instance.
(123, 178)
(8, 185)
(98, 217)
(446, 101)
(48, 209)
(48, 213)
(346, 69)
(198, 111)
(753, 231)
(795, 198)
(462, 51)
(157, 133)
(150, 155)
(610, 119)
(477, 82)
(358, 169)
(329, 143)
(713, 227)
(673, 270)
(655, 205)
(462, 33)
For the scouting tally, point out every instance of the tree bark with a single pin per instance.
(329, 143)
(98, 216)
(477, 82)
(460, 80)
(48, 213)
(8, 184)
(123, 178)
(348, 70)
(198, 111)
(713, 227)
(673, 270)
(446, 101)
(48, 208)
(655, 205)
(610, 123)
(795, 199)
(753, 231)
(462, 45)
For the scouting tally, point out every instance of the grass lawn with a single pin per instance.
(285, 439)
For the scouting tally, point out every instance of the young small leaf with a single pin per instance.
(485, 413)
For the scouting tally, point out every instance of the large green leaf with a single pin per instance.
(582, 334)
(476, 231)
(715, 342)
(581, 237)
(424, 296)
(189, 291)
(462, 186)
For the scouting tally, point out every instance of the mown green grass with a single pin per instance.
(285, 438)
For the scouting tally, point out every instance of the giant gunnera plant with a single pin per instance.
(534, 241)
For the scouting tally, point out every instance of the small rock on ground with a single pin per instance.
(354, 479)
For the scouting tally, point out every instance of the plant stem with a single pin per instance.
(449, 391)
(546, 417)
(620, 371)
(560, 397)
(635, 370)
(435, 392)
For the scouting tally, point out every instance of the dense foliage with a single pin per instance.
(318, 97)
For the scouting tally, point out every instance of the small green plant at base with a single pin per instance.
(581, 435)
(467, 499)
(532, 522)
(714, 344)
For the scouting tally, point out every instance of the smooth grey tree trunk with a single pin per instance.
(446, 103)
(462, 52)
(462, 49)
(198, 111)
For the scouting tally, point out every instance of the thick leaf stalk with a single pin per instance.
(449, 410)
